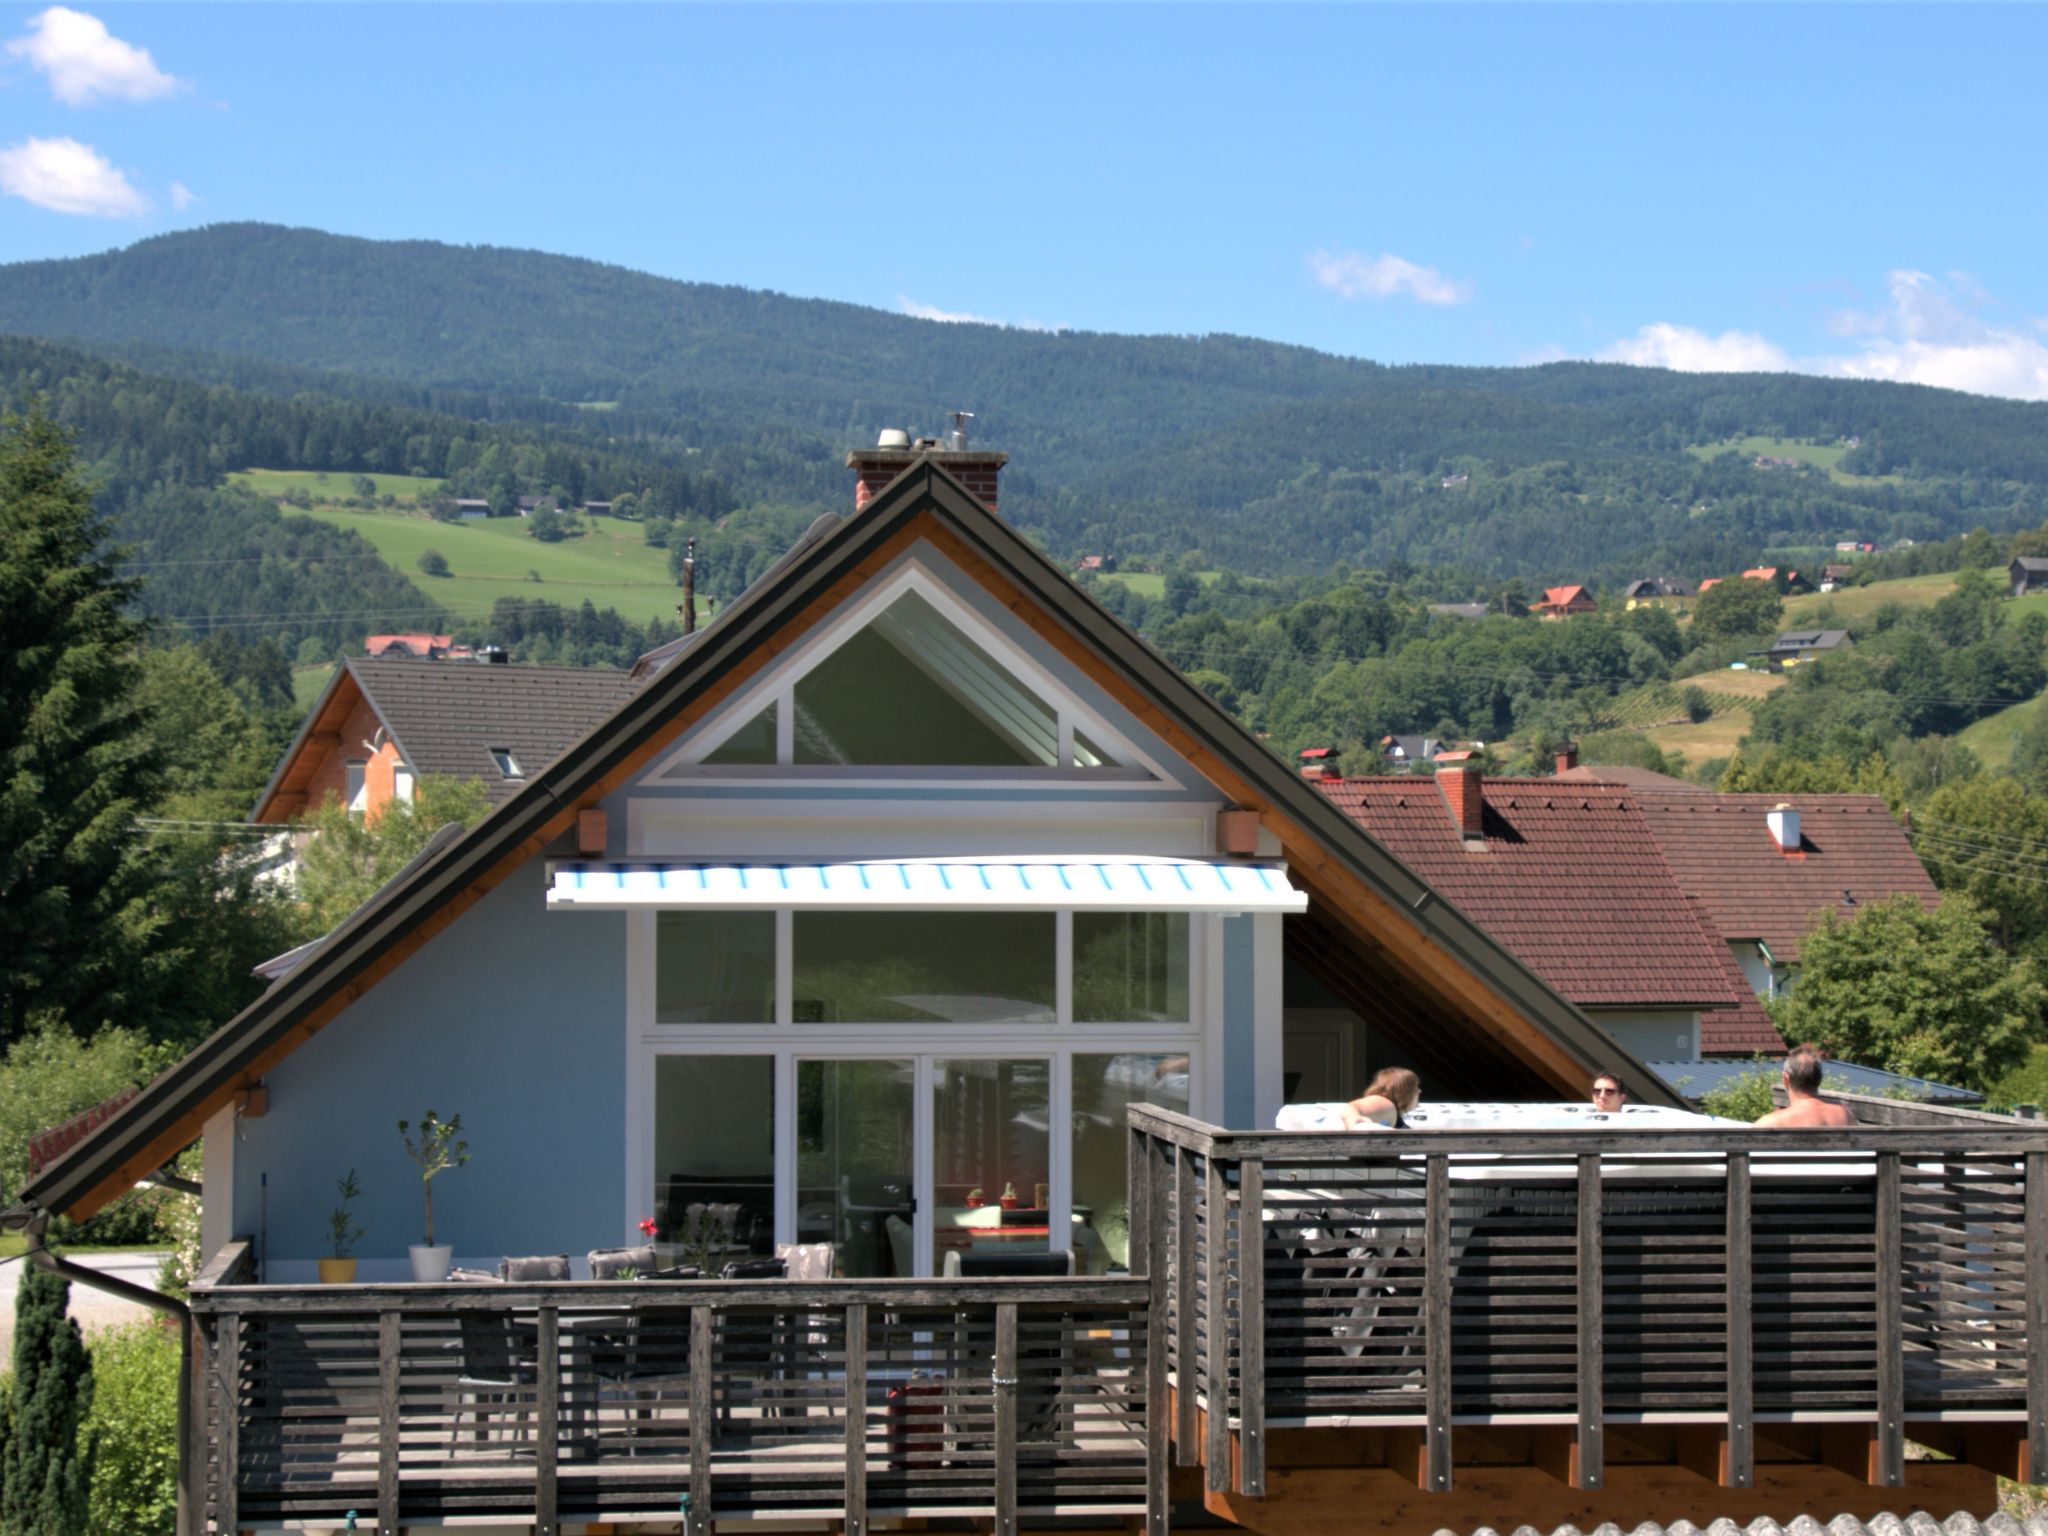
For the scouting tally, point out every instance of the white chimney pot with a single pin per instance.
(1784, 824)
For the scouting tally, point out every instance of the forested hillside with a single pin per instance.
(1214, 451)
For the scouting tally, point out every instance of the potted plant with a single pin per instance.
(342, 1232)
(438, 1148)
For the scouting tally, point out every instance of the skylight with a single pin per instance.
(508, 765)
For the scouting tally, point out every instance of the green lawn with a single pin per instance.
(1993, 737)
(1153, 585)
(321, 484)
(307, 683)
(1851, 603)
(611, 564)
(1822, 455)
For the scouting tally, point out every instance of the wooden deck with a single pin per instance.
(1826, 1295)
(1444, 1327)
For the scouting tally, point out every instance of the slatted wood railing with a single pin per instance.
(838, 1400)
(1875, 1275)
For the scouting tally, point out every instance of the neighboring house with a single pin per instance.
(528, 505)
(1410, 751)
(1797, 645)
(2027, 573)
(1787, 581)
(1766, 867)
(598, 508)
(1710, 583)
(1833, 576)
(1562, 602)
(913, 838)
(1454, 482)
(471, 508)
(418, 644)
(1570, 880)
(1460, 610)
(1100, 564)
(378, 725)
(1651, 588)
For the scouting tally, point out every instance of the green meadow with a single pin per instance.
(1827, 456)
(1152, 584)
(331, 484)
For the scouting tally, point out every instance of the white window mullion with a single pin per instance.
(1063, 968)
(785, 965)
(785, 726)
(924, 1162)
(785, 1147)
(1060, 1153)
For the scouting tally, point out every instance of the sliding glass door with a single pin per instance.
(856, 1163)
(991, 1157)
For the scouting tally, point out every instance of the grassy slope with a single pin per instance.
(611, 564)
(1825, 455)
(1992, 738)
(1152, 584)
(319, 484)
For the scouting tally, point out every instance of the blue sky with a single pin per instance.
(1829, 188)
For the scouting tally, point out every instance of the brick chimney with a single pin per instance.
(1320, 763)
(1463, 782)
(1567, 757)
(896, 451)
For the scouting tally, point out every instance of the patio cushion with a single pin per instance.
(548, 1266)
(605, 1263)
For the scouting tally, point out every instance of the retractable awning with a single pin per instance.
(932, 885)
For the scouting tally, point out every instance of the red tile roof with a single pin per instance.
(1564, 597)
(1745, 1029)
(1724, 856)
(1570, 880)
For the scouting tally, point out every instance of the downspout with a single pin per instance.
(38, 1254)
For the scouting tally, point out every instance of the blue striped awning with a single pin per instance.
(932, 885)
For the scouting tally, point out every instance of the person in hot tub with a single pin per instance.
(1386, 1100)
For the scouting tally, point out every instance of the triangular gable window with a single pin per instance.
(908, 687)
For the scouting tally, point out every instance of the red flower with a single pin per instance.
(647, 1225)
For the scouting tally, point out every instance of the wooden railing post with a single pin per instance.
(703, 1320)
(1436, 1320)
(390, 1514)
(1590, 1470)
(1888, 1455)
(547, 1419)
(2037, 1316)
(1216, 1366)
(1739, 1470)
(1004, 1384)
(856, 1334)
(1158, 1426)
(1138, 1181)
(1186, 1452)
(227, 1387)
(191, 1428)
(1251, 1328)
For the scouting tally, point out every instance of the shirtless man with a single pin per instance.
(1805, 1106)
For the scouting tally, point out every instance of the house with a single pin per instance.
(1797, 645)
(380, 724)
(1710, 583)
(1562, 602)
(2026, 573)
(418, 644)
(915, 912)
(1456, 482)
(1460, 610)
(597, 508)
(1101, 565)
(471, 508)
(1833, 576)
(1766, 867)
(1786, 581)
(1569, 877)
(1410, 751)
(1651, 588)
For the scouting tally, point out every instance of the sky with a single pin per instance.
(1833, 189)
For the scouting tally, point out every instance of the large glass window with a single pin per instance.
(714, 1157)
(1104, 1088)
(916, 967)
(855, 1140)
(910, 689)
(753, 742)
(990, 1161)
(1130, 967)
(714, 968)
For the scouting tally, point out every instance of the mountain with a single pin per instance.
(1243, 453)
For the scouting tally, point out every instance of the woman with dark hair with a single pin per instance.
(1387, 1098)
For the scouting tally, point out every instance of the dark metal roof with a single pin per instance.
(830, 550)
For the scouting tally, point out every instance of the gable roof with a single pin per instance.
(1642, 780)
(2033, 564)
(445, 717)
(1724, 856)
(1558, 597)
(1570, 880)
(1811, 640)
(1474, 980)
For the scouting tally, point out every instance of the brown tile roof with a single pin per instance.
(1745, 1029)
(1725, 858)
(447, 715)
(1642, 780)
(1570, 881)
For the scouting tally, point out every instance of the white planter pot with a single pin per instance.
(431, 1263)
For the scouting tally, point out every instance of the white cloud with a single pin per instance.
(182, 196)
(83, 60)
(1927, 332)
(1354, 275)
(918, 310)
(1663, 345)
(66, 176)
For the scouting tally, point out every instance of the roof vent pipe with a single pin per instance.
(957, 439)
(1784, 823)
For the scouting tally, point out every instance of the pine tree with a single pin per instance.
(76, 758)
(45, 1468)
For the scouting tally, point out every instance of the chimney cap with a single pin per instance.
(893, 437)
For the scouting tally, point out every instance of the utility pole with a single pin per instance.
(689, 609)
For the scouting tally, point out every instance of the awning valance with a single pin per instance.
(932, 885)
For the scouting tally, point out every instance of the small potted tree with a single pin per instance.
(438, 1148)
(343, 1231)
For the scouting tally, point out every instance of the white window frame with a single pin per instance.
(922, 1044)
(1135, 770)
